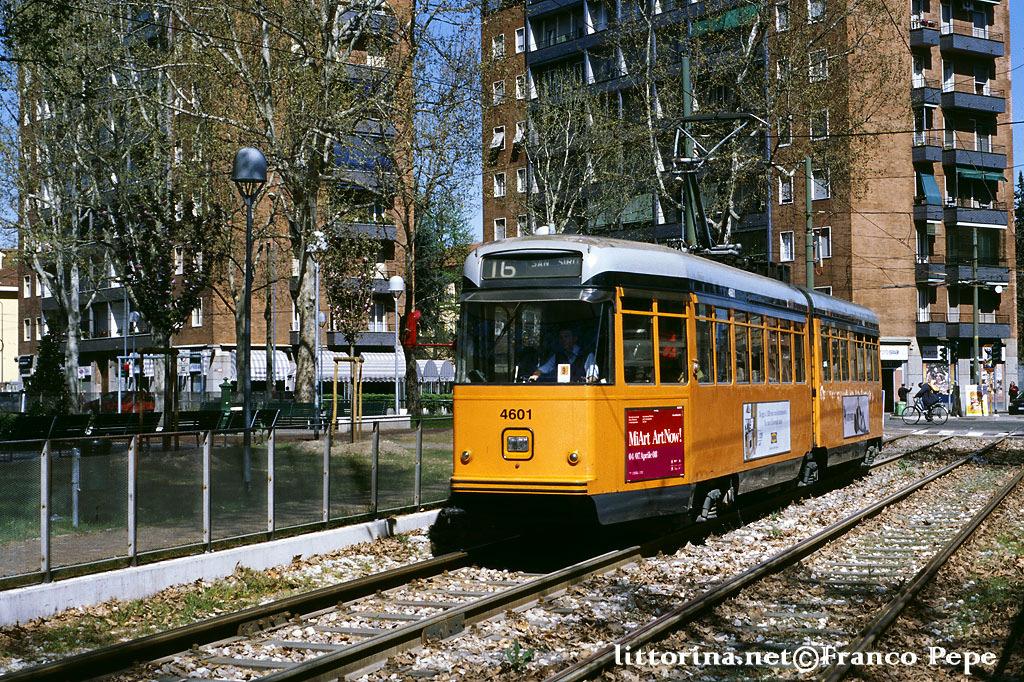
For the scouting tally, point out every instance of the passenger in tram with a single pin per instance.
(582, 366)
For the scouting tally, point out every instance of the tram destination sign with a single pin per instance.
(532, 267)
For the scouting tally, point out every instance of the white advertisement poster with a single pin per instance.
(765, 429)
(855, 415)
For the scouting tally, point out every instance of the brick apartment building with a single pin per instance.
(934, 178)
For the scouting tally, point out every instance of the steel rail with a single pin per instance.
(709, 599)
(881, 622)
(451, 621)
(889, 460)
(119, 656)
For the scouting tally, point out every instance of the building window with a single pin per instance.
(782, 16)
(785, 189)
(27, 287)
(782, 68)
(44, 328)
(498, 138)
(824, 290)
(39, 286)
(520, 133)
(815, 10)
(522, 225)
(378, 318)
(521, 87)
(498, 46)
(497, 92)
(520, 39)
(819, 125)
(823, 237)
(817, 69)
(520, 180)
(785, 131)
(295, 317)
(197, 314)
(27, 329)
(499, 184)
(179, 261)
(821, 187)
(499, 228)
(787, 251)
(39, 328)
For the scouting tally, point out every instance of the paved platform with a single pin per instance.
(36, 601)
(979, 427)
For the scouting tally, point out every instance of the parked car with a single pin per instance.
(131, 401)
(1017, 405)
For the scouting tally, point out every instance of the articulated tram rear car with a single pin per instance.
(626, 381)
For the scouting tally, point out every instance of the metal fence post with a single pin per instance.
(76, 483)
(270, 482)
(325, 511)
(133, 480)
(417, 481)
(44, 511)
(207, 509)
(374, 457)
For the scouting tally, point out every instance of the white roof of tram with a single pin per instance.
(604, 254)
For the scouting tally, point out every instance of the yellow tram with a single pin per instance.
(619, 381)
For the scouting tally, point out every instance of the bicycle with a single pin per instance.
(936, 414)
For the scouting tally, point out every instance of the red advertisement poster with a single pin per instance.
(654, 443)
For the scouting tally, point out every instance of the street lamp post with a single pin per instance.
(396, 285)
(249, 173)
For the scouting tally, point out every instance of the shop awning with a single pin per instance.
(376, 366)
(927, 186)
(435, 370)
(258, 365)
(975, 174)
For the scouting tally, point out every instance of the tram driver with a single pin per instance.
(581, 366)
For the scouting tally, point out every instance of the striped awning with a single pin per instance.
(283, 367)
(376, 366)
(435, 370)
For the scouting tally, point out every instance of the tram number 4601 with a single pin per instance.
(517, 414)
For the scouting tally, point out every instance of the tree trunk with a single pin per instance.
(305, 362)
(72, 335)
(170, 380)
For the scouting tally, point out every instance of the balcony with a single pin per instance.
(563, 45)
(971, 40)
(925, 91)
(925, 212)
(923, 32)
(929, 269)
(927, 146)
(954, 324)
(536, 9)
(973, 152)
(990, 270)
(977, 213)
(972, 95)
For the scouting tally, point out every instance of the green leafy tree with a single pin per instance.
(442, 243)
(46, 389)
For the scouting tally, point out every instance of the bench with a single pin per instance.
(113, 424)
(24, 427)
(295, 415)
(199, 420)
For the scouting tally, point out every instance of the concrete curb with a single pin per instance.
(36, 601)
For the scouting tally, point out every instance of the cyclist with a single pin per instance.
(928, 396)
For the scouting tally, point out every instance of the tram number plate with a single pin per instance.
(516, 414)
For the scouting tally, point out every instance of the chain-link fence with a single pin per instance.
(72, 505)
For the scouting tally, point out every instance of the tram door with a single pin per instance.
(889, 388)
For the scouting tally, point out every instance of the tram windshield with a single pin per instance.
(535, 341)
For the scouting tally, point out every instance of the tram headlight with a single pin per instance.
(517, 444)
(465, 457)
(573, 458)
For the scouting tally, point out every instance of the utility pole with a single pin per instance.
(976, 349)
(690, 232)
(268, 316)
(809, 215)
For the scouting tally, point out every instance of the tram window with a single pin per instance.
(756, 350)
(742, 359)
(798, 354)
(636, 303)
(826, 363)
(844, 357)
(723, 347)
(875, 374)
(787, 357)
(672, 349)
(862, 354)
(671, 307)
(773, 356)
(702, 365)
(637, 349)
(519, 341)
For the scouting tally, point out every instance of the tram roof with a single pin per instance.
(607, 255)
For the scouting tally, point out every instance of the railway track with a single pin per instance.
(349, 626)
(843, 587)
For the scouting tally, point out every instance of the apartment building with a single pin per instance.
(929, 178)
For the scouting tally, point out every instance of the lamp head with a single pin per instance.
(396, 285)
(249, 172)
